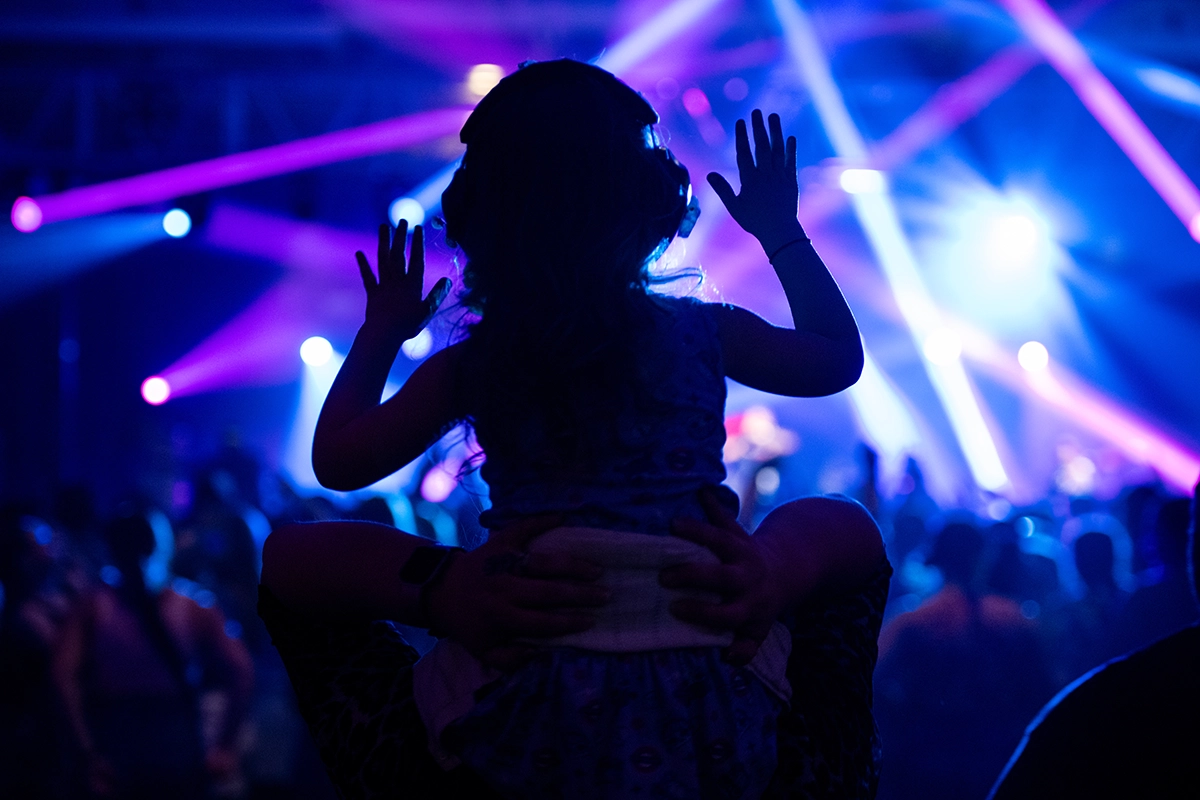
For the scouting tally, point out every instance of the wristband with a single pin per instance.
(786, 245)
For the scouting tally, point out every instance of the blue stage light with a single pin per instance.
(177, 223)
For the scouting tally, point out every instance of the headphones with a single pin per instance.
(678, 219)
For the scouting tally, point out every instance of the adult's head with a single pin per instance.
(1094, 560)
(956, 552)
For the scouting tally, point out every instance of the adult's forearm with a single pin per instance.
(343, 569)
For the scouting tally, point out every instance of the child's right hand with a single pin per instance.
(394, 305)
(766, 206)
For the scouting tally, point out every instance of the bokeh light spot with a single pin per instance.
(1033, 357)
(483, 78)
(736, 89)
(408, 209)
(861, 181)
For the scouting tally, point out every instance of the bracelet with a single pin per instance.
(786, 245)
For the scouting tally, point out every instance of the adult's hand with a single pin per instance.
(491, 596)
(751, 599)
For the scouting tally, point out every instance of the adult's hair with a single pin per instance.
(562, 199)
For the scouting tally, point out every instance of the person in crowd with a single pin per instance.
(1163, 604)
(130, 664)
(1090, 622)
(599, 405)
(34, 744)
(1129, 728)
(957, 680)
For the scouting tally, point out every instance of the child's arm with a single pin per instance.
(359, 441)
(823, 354)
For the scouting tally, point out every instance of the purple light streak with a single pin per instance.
(252, 165)
(1066, 54)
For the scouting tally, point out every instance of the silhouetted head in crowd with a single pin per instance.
(956, 552)
(130, 539)
(1094, 560)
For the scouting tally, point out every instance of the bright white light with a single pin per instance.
(1033, 357)
(419, 346)
(1194, 228)
(1013, 240)
(316, 351)
(483, 78)
(942, 347)
(155, 390)
(177, 223)
(408, 209)
(862, 181)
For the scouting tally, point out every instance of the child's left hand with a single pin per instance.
(394, 304)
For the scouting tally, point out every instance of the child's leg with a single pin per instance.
(822, 544)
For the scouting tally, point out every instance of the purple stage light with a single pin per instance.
(156, 390)
(1066, 54)
(153, 187)
(26, 215)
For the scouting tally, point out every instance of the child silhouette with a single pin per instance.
(599, 405)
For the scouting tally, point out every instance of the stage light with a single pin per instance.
(316, 351)
(1012, 240)
(483, 78)
(861, 181)
(408, 209)
(419, 346)
(1065, 53)
(1033, 357)
(155, 390)
(26, 215)
(942, 347)
(177, 223)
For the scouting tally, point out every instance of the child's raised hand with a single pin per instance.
(766, 206)
(394, 303)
